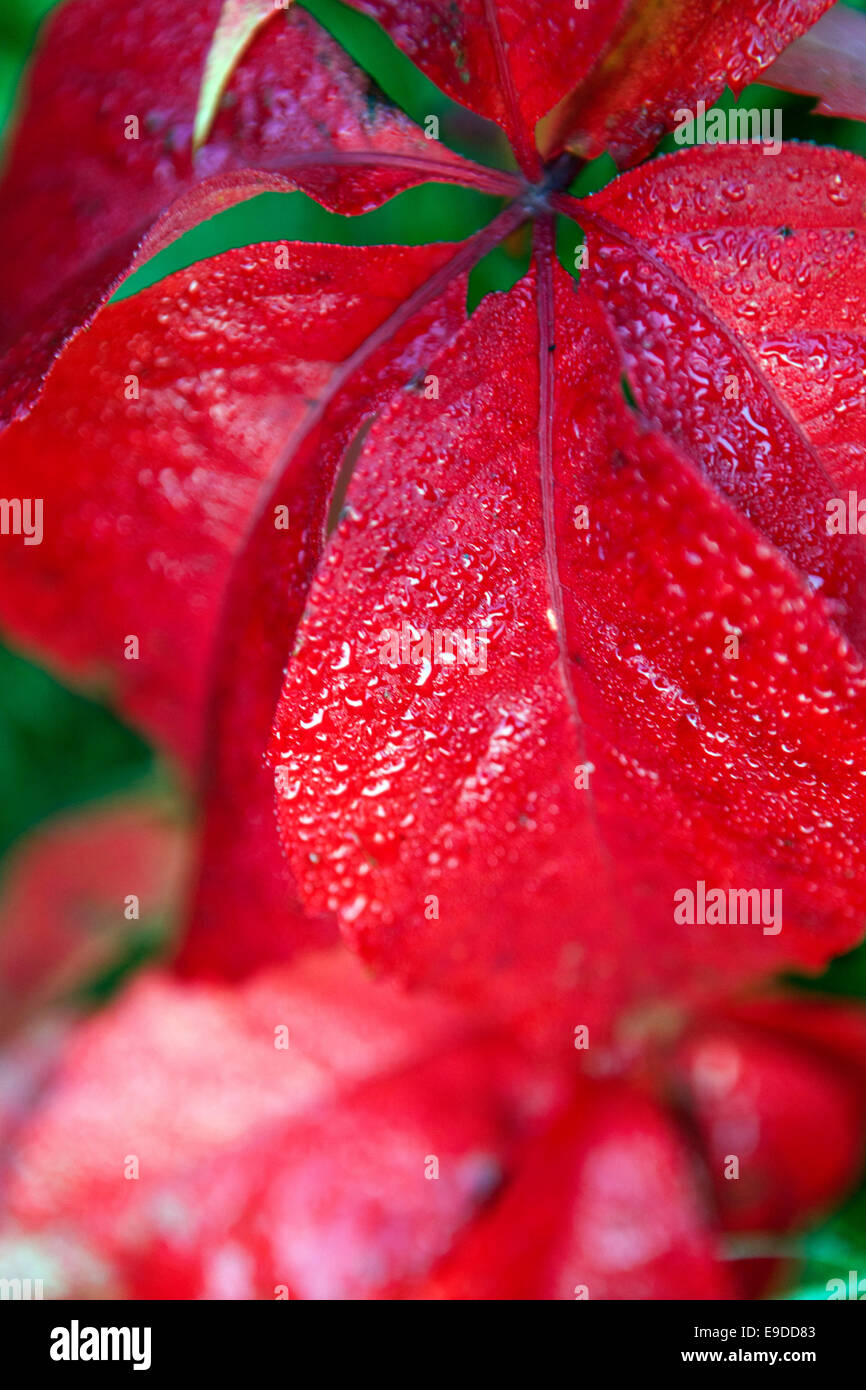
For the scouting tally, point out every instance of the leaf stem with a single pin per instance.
(454, 170)
(524, 148)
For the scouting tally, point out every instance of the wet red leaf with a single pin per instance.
(616, 71)
(736, 285)
(510, 63)
(175, 406)
(520, 829)
(665, 58)
(297, 114)
(614, 753)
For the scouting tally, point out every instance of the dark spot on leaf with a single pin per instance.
(625, 387)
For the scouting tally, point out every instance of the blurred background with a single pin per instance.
(61, 749)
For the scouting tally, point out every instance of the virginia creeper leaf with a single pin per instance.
(608, 754)
(665, 57)
(781, 1085)
(737, 291)
(828, 62)
(281, 1133)
(243, 876)
(607, 1205)
(105, 146)
(174, 406)
(510, 63)
(615, 70)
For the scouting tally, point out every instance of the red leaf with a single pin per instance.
(296, 106)
(147, 500)
(434, 806)
(612, 1198)
(260, 1165)
(605, 1207)
(781, 1088)
(338, 1206)
(65, 891)
(736, 284)
(615, 71)
(510, 63)
(243, 875)
(666, 58)
(828, 62)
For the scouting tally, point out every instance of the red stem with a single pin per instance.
(463, 171)
(545, 252)
(524, 147)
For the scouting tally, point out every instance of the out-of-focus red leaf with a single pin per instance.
(258, 1164)
(781, 1088)
(146, 499)
(312, 1135)
(64, 898)
(832, 1028)
(339, 1206)
(828, 62)
(439, 810)
(297, 111)
(606, 1206)
(612, 1198)
(27, 1062)
(64, 1262)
